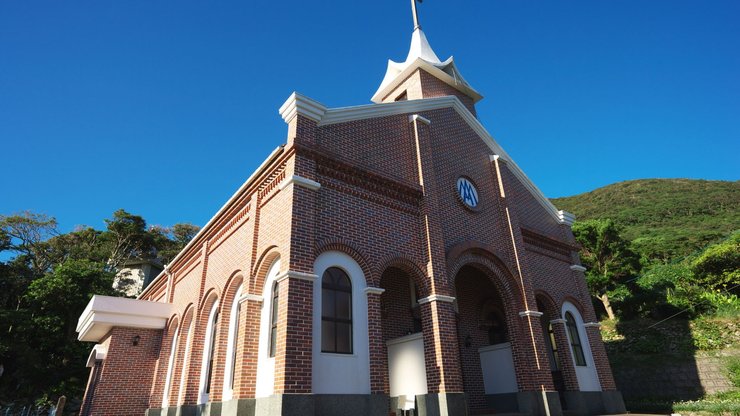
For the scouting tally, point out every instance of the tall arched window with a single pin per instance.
(209, 343)
(170, 369)
(336, 312)
(575, 340)
(274, 318)
(232, 342)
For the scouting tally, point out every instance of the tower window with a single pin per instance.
(336, 312)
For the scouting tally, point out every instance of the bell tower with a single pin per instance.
(424, 75)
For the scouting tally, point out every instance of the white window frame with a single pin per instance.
(228, 392)
(266, 364)
(170, 369)
(203, 396)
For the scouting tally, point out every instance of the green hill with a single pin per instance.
(665, 218)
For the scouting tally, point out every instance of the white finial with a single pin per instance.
(416, 15)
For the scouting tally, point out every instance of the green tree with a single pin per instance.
(718, 267)
(607, 257)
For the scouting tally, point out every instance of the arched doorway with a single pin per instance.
(484, 340)
(402, 338)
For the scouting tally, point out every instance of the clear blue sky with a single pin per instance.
(165, 108)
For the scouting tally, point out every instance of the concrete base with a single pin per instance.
(287, 405)
(594, 402)
(532, 403)
(441, 404)
(526, 402)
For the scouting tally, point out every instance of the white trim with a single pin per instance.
(105, 312)
(592, 325)
(566, 218)
(558, 321)
(98, 353)
(341, 373)
(577, 268)
(374, 291)
(300, 181)
(436, 298)
(265, 384)
(387, 86)
(416, 117)
(251, 297)
(298, 104)
(203, 396)
(296, 275)
(361, 112)
(405, 338)
(587, 376)
(170, 368)
(231, 341)
(535, 314)
(494, 158)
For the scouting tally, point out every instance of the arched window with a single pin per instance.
(336, 311)
(232, 342)
(274, 319)
(208, 353)
(575, 340)
(170, 369)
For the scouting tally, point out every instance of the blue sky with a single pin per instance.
(164, 108)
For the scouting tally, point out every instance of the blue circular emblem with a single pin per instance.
(467, 192)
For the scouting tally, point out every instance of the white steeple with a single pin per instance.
(421, 55)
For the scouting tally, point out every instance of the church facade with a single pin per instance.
(387, 256)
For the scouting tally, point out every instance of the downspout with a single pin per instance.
(529, 314)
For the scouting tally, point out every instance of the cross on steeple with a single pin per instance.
(416, 15)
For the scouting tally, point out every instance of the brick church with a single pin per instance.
(389, 258)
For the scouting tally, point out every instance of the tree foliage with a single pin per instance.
(45, 284)
(718, 267)
(608, 258)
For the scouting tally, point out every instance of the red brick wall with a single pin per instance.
(125, 381)
(372, 205)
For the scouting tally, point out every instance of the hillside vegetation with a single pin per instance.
(664, 218)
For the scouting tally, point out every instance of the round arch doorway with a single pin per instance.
(484, 336)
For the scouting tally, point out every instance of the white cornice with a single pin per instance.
(296, 275)
(535, 314)
(374, 290)
(592, 325)
(300, 104)
(566, 218)
(103, 313)
(300, 181)
(362, 112)
(436, 298)
(416, 117)
(397, 78)
(251, 297)
(577, 268)
(558, 321)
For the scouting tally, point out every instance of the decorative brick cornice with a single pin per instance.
(298, 104)
(374, 290)
(577, 268)
(296, 275)
(535, 314)
(436, 298)
(547, 246)
(300, 181)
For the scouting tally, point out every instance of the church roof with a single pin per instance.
(421, 55)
